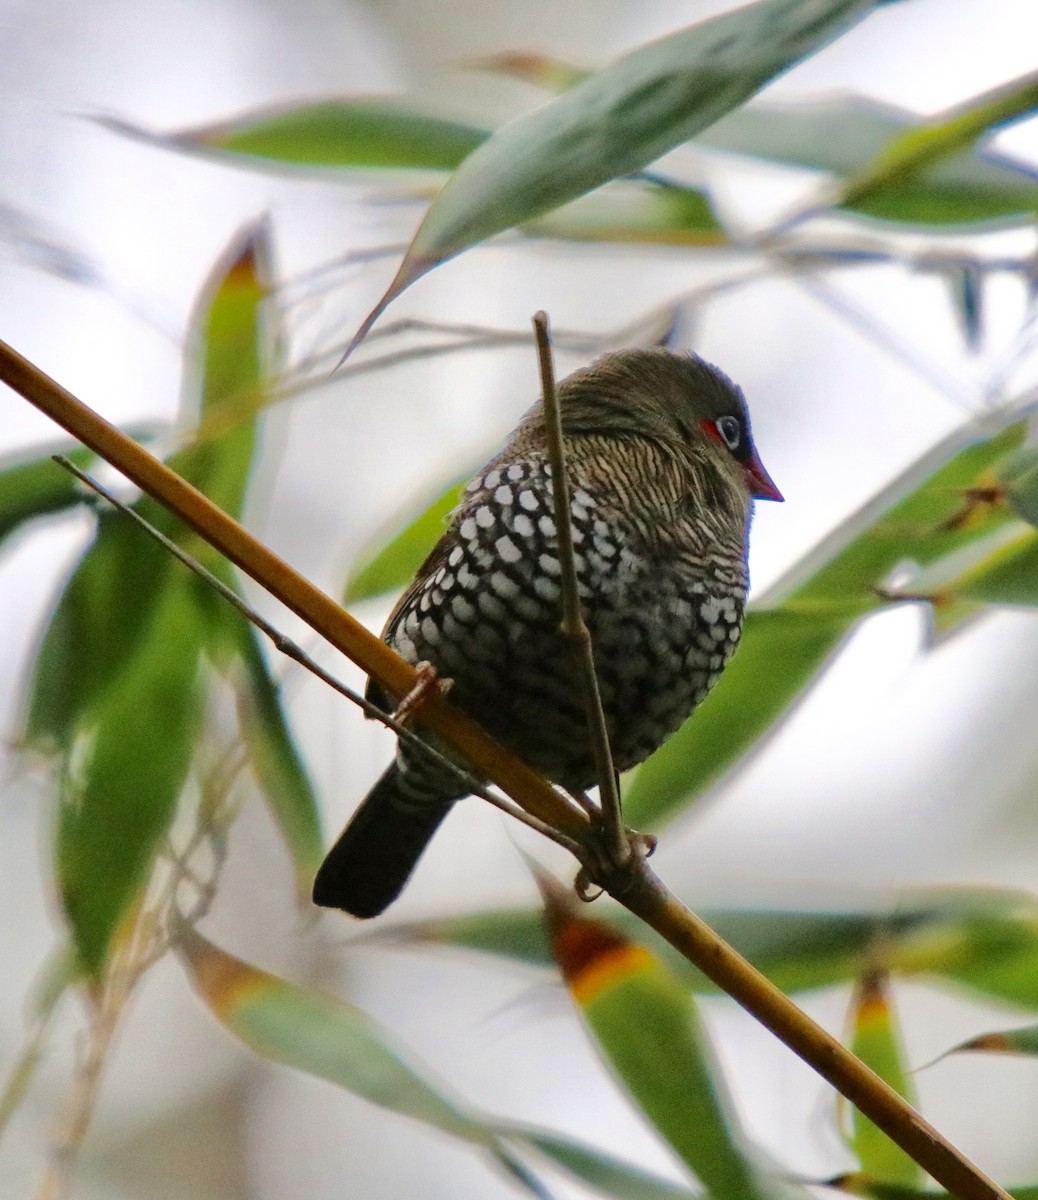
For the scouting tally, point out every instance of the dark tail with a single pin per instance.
(368, 866)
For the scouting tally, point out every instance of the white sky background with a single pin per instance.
(900, 768)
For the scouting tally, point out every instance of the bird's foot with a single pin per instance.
(601, 871)
(428, 682)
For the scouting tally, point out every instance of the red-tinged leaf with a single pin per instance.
(117, 683)
(1022, 1041)
(615, 122)
(647, 1027)
(326, 1037)
(876, 1040)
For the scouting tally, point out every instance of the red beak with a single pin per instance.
(760, 482)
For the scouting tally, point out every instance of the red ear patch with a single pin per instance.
(710, 429)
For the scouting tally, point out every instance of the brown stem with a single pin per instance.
(317, 609)
(573, 626)
(639, 890)
(648, 898)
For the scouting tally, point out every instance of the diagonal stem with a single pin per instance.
(573, 626)
(296, 652)
(637, 888)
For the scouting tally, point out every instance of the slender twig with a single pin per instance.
(573, 626)
(295, 652)
(639, 889)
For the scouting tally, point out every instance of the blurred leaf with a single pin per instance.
(601, 1171)
(396, 562)
(38, 486)
(784, 644)
(1019, 474)
(1010, 1041)
(129, 764)
(615, 122)
(321, 1035)
(649, 1032)
(541, 70)
(982, 939)
(642, 212)
(1006, 575)
(905, 159)
(117, 683)
(990, 950)
(780, 653)
(326, 1037)
(276, 761)
(877, 1042)
(355, 132)
(842, 135)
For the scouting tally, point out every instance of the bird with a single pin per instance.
(662, 473)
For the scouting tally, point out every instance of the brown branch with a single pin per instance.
(573, 626)
(317, 609)
(637, 888)
(298, 655)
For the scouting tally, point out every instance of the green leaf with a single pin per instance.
(276, 761)
(355, 132)
(643, 212)
(648, 1029)
(615, 122)
(116, 688)
(131, 759)
(784, 644)
(330, 1039)
(843, 135)
(780, 653)
(877, 1042)
(601, 1171)
(323, 1036)
(38, 487)
(917, 150)
(103, 620)
(983, 940)
(1019, 474)
(1007, 575)
(395, 563)
(1022, 1041)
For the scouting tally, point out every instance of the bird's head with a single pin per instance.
(678, 400)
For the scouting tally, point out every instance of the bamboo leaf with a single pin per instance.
(38, 487)
(276, 761)
(351, 132)
(1023, 1041)
(647, 1028)
(330, 1039)
(395, 563)
(877, 1042)
(117, 688)
(982, 940)
(615, 122)
(321, 1035)
(919, 149)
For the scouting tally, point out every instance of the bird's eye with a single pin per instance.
(730, 430)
